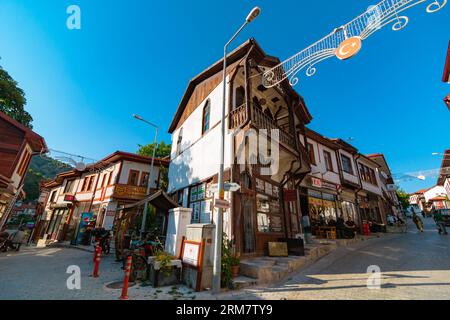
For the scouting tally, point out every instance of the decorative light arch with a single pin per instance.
(362, 27)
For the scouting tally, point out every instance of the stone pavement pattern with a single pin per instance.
(413, 266)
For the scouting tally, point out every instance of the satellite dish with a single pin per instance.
(80, 166)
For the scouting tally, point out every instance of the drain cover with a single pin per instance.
(118, 285)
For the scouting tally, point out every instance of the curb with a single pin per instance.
(69, 246)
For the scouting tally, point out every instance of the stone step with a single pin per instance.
(243, 282)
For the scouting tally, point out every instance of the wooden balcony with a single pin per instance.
(258, 119)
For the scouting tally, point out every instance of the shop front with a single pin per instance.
(322, 203)
(259, 215)
(348, 206)
(59, 216)
(369, 205)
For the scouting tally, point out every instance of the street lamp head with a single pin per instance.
(137, 117)
(253, 14)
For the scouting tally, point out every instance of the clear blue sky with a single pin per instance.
(137, 56)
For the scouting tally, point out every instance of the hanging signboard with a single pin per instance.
(290, 195)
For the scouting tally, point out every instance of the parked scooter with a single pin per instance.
(102, 236)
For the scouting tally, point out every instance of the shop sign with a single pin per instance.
(69, 197)
(127, 191)
(316, 182)
(110, 213)
(314, 201)
(330, 186)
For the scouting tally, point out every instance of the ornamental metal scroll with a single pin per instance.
(360, 28)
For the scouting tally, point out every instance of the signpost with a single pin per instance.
(228, 186)
(222, 204)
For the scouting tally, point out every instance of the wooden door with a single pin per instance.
(249, 226)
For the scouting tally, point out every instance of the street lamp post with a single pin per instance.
(218, 236)
(144, 215)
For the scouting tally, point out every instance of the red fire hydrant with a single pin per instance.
(124, 295)
(98, 253)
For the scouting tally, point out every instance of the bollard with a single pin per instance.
(124, 295)
(98, 253)
(95, 251)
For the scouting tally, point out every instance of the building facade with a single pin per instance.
(119, 179)
(258, 212)
(18, 144)
(320, 190)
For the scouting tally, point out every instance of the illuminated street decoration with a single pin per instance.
(346, 41)
(72, 161)
(421, 175)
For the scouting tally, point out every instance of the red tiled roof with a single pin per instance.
(446, 75)
(36, 141)
(421, 191)
(438, 199)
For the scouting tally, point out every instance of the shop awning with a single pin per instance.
(160, 200)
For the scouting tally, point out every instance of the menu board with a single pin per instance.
(262, 204)
(205, 212)
(201, 191)
(260, 185)
(193, 194)
(276, 224)
(268, 188)
(275, 206)
(275, 191)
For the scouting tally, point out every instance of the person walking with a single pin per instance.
(418, 222)
(439, 219)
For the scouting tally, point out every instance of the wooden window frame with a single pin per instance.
(311, 155)
(85, 183)
(65, 191)
(109, 179)
(179, 141)
(136, 184)
(328, 160)
(90, 184)
(205, 107)
(343, 156)
(143, 174)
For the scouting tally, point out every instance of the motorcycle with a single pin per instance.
(103, 237)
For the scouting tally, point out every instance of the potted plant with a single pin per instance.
(164, 270)
(230, 263)
(235, 265)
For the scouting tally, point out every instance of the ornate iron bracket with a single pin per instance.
(362, 27)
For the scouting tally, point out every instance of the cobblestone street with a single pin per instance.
(413, 266)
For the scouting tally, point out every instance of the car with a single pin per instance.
(446, 214)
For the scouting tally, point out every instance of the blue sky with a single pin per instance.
(137, 56)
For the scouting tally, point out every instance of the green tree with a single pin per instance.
(403, 197)
(12, 99)
(163, 150)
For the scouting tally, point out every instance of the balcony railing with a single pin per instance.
(260, 120)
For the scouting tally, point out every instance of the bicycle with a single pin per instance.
(140, 251)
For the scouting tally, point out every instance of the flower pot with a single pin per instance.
(234, 271)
